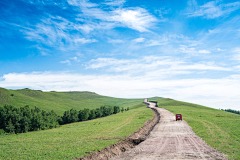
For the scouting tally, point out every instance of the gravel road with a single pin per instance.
(171, 139)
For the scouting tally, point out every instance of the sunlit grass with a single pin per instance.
(74, 140)
(219, 129)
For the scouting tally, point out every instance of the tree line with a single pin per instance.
(87, 114)
(24, 119)
(231, 110)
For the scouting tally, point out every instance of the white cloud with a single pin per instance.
(217, 93)
(75, 59)
(163, 67)
(192, 50)
(85, 27)
(67, 61)
(212, 9)
(236, 56)
(83, 3)
(214, 31)
(68, 34)
(163, 11)
(156, 43)
(83, 40)
(137, 40)
(219, 49)
(53, 30)
(115, 41)
(135, 18)
(237, 50)
(115, 2)
(204, 51)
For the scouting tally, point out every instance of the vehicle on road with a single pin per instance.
(178, 117)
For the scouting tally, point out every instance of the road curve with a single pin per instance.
(171, 139)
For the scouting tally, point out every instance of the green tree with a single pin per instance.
(92, 114)
(116, 109)
(73, 116)
(122, 109)
(66, 117)
(83, 114)
(3, 118)
(98, 113)
(25, 124)
(10, 127)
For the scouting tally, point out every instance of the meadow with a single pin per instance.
(61, 101)
(219, 129)
(74, 140)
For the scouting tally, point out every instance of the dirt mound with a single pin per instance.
(126, 144)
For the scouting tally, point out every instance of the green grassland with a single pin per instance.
(61, 101)
(219, 129)
(74, 140)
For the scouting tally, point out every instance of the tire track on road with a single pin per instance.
(172, 139)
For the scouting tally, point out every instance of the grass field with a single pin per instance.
(219, 129)
(61, 101)
(74, 140)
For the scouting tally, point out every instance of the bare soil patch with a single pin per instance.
(127, 143)
(160, 139)
(171, 139)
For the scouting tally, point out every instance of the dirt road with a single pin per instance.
(171, 139)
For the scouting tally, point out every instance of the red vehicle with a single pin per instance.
(178, 117)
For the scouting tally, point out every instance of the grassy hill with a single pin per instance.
(61, 101)
(74, 140)
(220, 129)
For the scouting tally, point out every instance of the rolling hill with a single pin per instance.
(218, 128)
(62, 101)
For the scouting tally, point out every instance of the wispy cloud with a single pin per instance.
(217, 93)
(66, 61)
(156, 42)
(135, 18)
(204, 51)
(114, 2)
(137, 40)
(115, 41)
(63, 32)
(236, 56)
(75, 59)
(163, 67)
(192, 50)
(83, 40)
(162, 11)
(213, 9)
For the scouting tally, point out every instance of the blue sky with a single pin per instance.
(185, 50)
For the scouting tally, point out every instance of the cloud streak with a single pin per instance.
(212, 9)
(162, 67)
(191, 90)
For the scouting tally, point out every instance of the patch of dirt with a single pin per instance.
(171, 139)
(160, 140)
(127, 143)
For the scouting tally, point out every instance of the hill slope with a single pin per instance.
(74, 140)
(220, 129)
(61, 101)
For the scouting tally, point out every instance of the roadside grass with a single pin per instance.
(74, 140)
(219, 129)
(61, 101)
